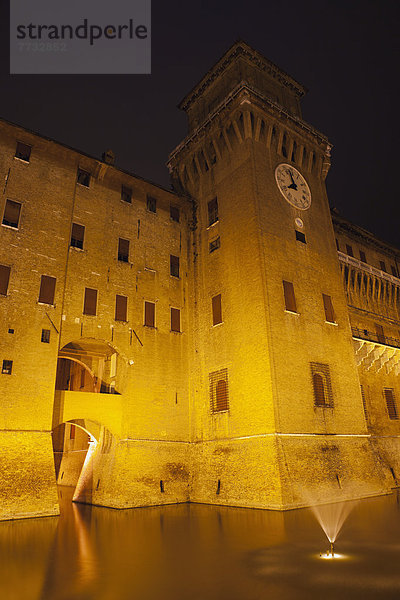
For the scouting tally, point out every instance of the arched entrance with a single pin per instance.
(81, 448)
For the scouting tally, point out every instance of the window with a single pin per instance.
(300, 237)
(45, 339)
(72, 430)
(219, 395)
(328, 307)
(290, 299)
(77, 236)
(394, 271)
(83, 177)
(337, 245)
(83, 377)
(380, 334)
(123, 250)
(151, 204)
(284, 144)
(90, 302)
(349, 250)
(4, 279)
(149, 314)
(174, 213)
(174, 265)
(121, 308)
(175, 319)
(47, 289)
(390, 402)
(216, 309)
(12, 213)
(212, 211)
(126, 194)
(215, 244)
(7, 367)
(363, 258)
(382, 265)
(363, 400)
(321, 381)
(23, 151)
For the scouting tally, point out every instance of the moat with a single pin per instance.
(200, 552)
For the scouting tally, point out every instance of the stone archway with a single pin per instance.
(81, 449)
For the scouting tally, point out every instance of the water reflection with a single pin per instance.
(198, 552)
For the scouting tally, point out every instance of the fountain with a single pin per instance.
(331, 518)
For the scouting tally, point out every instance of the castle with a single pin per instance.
(230, 341)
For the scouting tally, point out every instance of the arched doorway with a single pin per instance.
(81, 448)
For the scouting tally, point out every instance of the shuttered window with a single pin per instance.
(7, 367)
(380, 334)
(151, 204)
(391, 403)
(77, 236)
(174, 265)
(290, 299)
(321, 382)
(4, 279)
(83, 177)
(47, 289)
(12, 213)
(175, 319)
(219, 393)
(121, 308)
(363, 400)
(215, 244)
(123, 250)
(90, 302)
(216, 309)
(126, 194)
(45, 337)
(174, 213)
(382, 265)
(394, 271)
(328, 307)
(349, 250)
(300, 237)
(23, 151)
(363, 258)
(212, 211)
(149, 314)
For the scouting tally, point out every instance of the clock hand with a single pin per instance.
(292, 186)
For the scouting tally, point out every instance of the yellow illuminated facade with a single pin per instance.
(229, 341)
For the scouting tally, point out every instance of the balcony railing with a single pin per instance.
(372, 336)
(350, 260)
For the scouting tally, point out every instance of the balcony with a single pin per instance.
(362, 266)
(371, 336)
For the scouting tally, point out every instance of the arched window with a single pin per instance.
(219, 393)
(322, 387)
(294, 152)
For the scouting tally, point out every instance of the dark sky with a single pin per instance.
(343, 52)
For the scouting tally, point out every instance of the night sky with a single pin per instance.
(343, 52)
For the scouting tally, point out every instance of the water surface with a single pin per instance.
(199, 552)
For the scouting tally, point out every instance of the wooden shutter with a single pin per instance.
(11, 213)
(363, 400)
(126, 194)
(47, 289)
(217, 309)
(175, 319)
(23, 151)
(290, 299)
(328, 306)
(90, 302)
(174, 265)
(383, 266)
(363, 258)
(149, 314)
(321, 382)
(174, 213)
(349, 250)
(123, 250)
(221, 395)
(212, 211)
(219, 392)
(390, 403)
(121, 306)
(77, 235)
(4, 279)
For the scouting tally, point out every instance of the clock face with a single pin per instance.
(293, 186)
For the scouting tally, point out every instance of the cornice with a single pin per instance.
(241, 49)
(368, 237)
